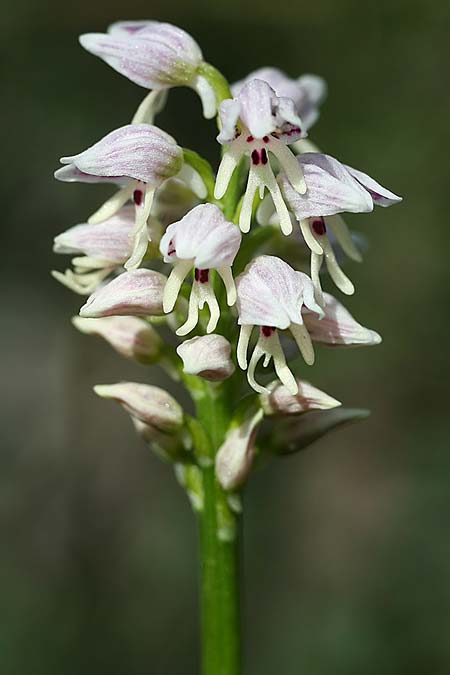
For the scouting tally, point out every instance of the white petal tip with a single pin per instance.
(375, 338)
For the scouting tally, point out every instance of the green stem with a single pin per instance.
(219, 547)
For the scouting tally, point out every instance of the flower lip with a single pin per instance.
(132, 152)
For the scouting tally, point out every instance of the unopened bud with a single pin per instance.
(279, 401)
(138, 292)
(132, 337)
(235, 457)
(151, 405)
(207, 356)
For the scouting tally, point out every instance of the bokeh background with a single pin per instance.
(347, 545)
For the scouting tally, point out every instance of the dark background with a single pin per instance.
(347, 545)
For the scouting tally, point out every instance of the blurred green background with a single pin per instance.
(347, 546)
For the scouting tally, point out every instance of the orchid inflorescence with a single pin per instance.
(171, 218)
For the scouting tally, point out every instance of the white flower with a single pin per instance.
(207, 356)
(307, 91)
(154, 55)
(333, 188)
(203, 240)
(255, 123)
(139, 158)
(271, 295)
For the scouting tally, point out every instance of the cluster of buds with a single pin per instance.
(172, 220)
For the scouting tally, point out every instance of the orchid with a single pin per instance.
(255, 123)
(271, 295)
(203, 240)
(333, 188)
(171, 254)
(139, 158)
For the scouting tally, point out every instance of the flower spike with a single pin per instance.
(202, 240)
(255, 123)
(154, 55)
(271, 295)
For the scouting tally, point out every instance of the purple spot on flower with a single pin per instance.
(318, 226)
(138, 196)
(202, 276)
(266, 139)
(267, 331)
(255, 157)
(264, 156)
(171, 248)
(250, 139)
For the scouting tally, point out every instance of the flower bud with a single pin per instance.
(338, 327)
(293, 434)
(235, 456)
(138, 292)
(207, 356)
(169, 447)
(128, 335)
(279, 401)
(149, 404)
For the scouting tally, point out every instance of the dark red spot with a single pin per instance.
(250, 139)
(264, 156)
(267, 331)
(202, 276)
(138, 196)
(318, 226)
(266, 139)
(171, 248)
(255, 157)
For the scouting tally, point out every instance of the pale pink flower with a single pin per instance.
(271, 295)
(203, 240)
(255, 123)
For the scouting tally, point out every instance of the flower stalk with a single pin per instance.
(219, 528)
